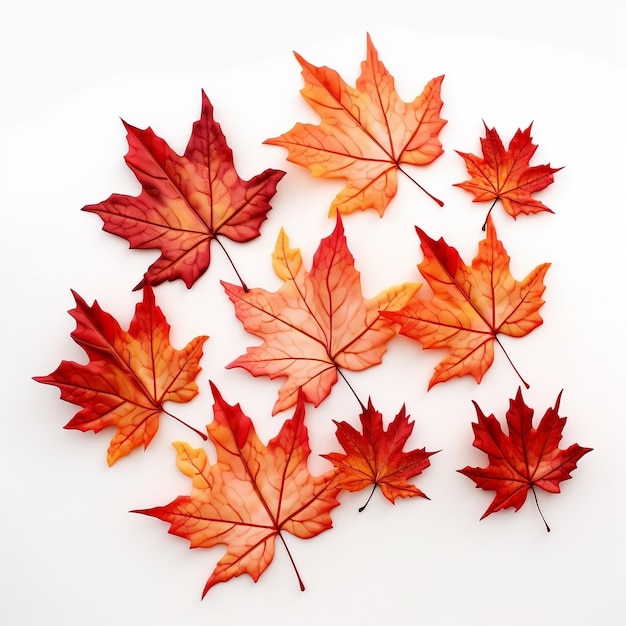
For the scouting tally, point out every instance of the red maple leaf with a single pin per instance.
(525, 458)
(130, 375)
(470, 305)
(187, 201)
(507, 174)
(251, 495)
(317, 321)
(375, 456)
(366, 133)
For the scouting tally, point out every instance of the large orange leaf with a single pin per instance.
(130, 374)
(251, 495)
(187, 201)
(316, 322)
(525, 458)
(507, 174)
(470, 305)
(365, 133)
(375, 456)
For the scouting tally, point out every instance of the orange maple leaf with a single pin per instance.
(470, 305)
(365, 133)
(251, 495)
(525, 458)
(131, 374)
(375, 456)
(506, 174)
(317, 322)
(187, 201)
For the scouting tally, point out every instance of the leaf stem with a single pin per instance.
(488, 213)
(368, 500)
(430, 195)
(221, 245)
(204, 437)
(351, 388)
(511, 362)
(540, 513)
(292, 562)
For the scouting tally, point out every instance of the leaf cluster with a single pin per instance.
(317, 326)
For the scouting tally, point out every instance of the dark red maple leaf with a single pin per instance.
(187, 201)
(525, 458)
(375, 456)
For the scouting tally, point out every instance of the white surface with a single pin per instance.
(72, 555)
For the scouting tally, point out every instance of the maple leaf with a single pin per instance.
(130, 375)
(251, 495)
(506, 174)
(187, 201)
(365, 133)
(317, 321)
(470, 305)
(375, 456)
(525, 458)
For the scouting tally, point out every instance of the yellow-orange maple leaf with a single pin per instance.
(317, 322)
(251, 495)
(470, 306)
(365, 132)
(131, 374)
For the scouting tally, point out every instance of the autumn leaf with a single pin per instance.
(506, 174)
(525, 458)
(187, 201)
(375, 456)
(130, 374)
(251, 495)
(470, 305)
(317, 322)
(365, 133)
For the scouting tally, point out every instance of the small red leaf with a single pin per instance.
(523, 459)
(375, 456)
(507, 174)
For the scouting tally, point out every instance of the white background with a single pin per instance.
(71, 552)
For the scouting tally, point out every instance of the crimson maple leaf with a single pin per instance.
(375, 456)
(365, 133)
(470, 305)
(251, 495)
(187, 201)
(506, 174)
(317, 322)
(525, 458)
(130, 375)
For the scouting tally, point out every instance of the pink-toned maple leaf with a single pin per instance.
(317, 322)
